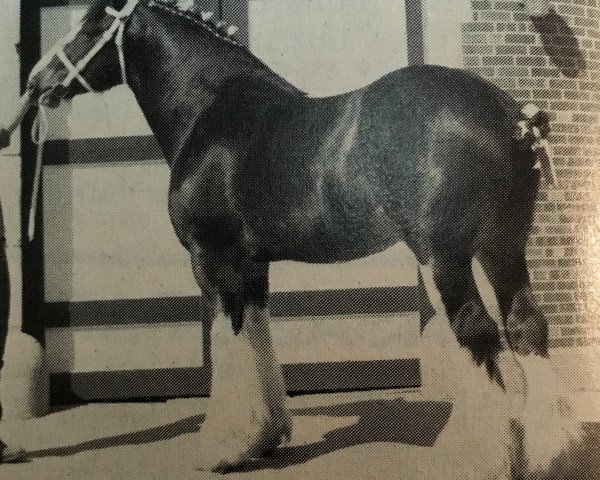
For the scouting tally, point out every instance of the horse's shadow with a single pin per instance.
(415, 423)
(150, 435)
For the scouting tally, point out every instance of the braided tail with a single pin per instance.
(535, 128)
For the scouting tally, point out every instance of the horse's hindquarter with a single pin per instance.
(449, 152)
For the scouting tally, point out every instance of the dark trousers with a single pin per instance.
(4, 293)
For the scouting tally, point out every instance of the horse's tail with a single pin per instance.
(537, 122)
(533, 132)
(531, 127)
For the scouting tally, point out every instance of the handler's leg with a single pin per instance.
(7, 453)
(4, 296)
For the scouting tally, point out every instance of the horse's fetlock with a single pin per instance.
(477, 331)
(526, 326)
(529, 335)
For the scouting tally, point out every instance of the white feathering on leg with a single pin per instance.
(549, 426)
(247, 415)
(480, 412)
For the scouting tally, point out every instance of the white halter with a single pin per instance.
(40, 126)
(116, 31)
(120, 22)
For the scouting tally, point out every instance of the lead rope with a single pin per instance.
(39, 135)
(121, 17)
(119, 44)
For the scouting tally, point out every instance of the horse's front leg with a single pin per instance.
(247, 416)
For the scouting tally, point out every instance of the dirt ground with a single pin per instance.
(368, 435)
(455, 428)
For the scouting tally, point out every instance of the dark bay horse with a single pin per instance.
(260, 172)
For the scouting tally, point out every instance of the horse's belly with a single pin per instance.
(332, 240)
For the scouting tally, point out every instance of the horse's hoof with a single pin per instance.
(11, 453)
(548, 429)
(224, 450)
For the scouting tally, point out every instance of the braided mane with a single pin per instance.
(191, 11)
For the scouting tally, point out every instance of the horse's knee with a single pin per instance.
(526, 326)
(237, 285)
(477, 331)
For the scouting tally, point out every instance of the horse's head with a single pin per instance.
(87, 58)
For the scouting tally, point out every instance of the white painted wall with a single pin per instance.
(335, 338)
(442, 30)
(329, 46)
(107, 234)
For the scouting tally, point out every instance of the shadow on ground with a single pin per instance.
(416, 423)
(155, 434)
(580, 462)
(397, 421)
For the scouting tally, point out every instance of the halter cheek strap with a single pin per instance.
(121, 17)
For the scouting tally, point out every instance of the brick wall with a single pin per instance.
(554, 62)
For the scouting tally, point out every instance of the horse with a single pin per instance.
(260, 172)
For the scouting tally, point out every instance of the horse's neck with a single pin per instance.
(176, 73)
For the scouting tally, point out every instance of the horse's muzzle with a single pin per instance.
(51, 100)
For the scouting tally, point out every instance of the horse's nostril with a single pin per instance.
(60, 90)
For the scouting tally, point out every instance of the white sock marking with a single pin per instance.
(247, 413)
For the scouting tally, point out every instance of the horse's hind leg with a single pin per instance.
(544, 422)
(525, 324)
(473, 327)
(478, 402)
(247, 416)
